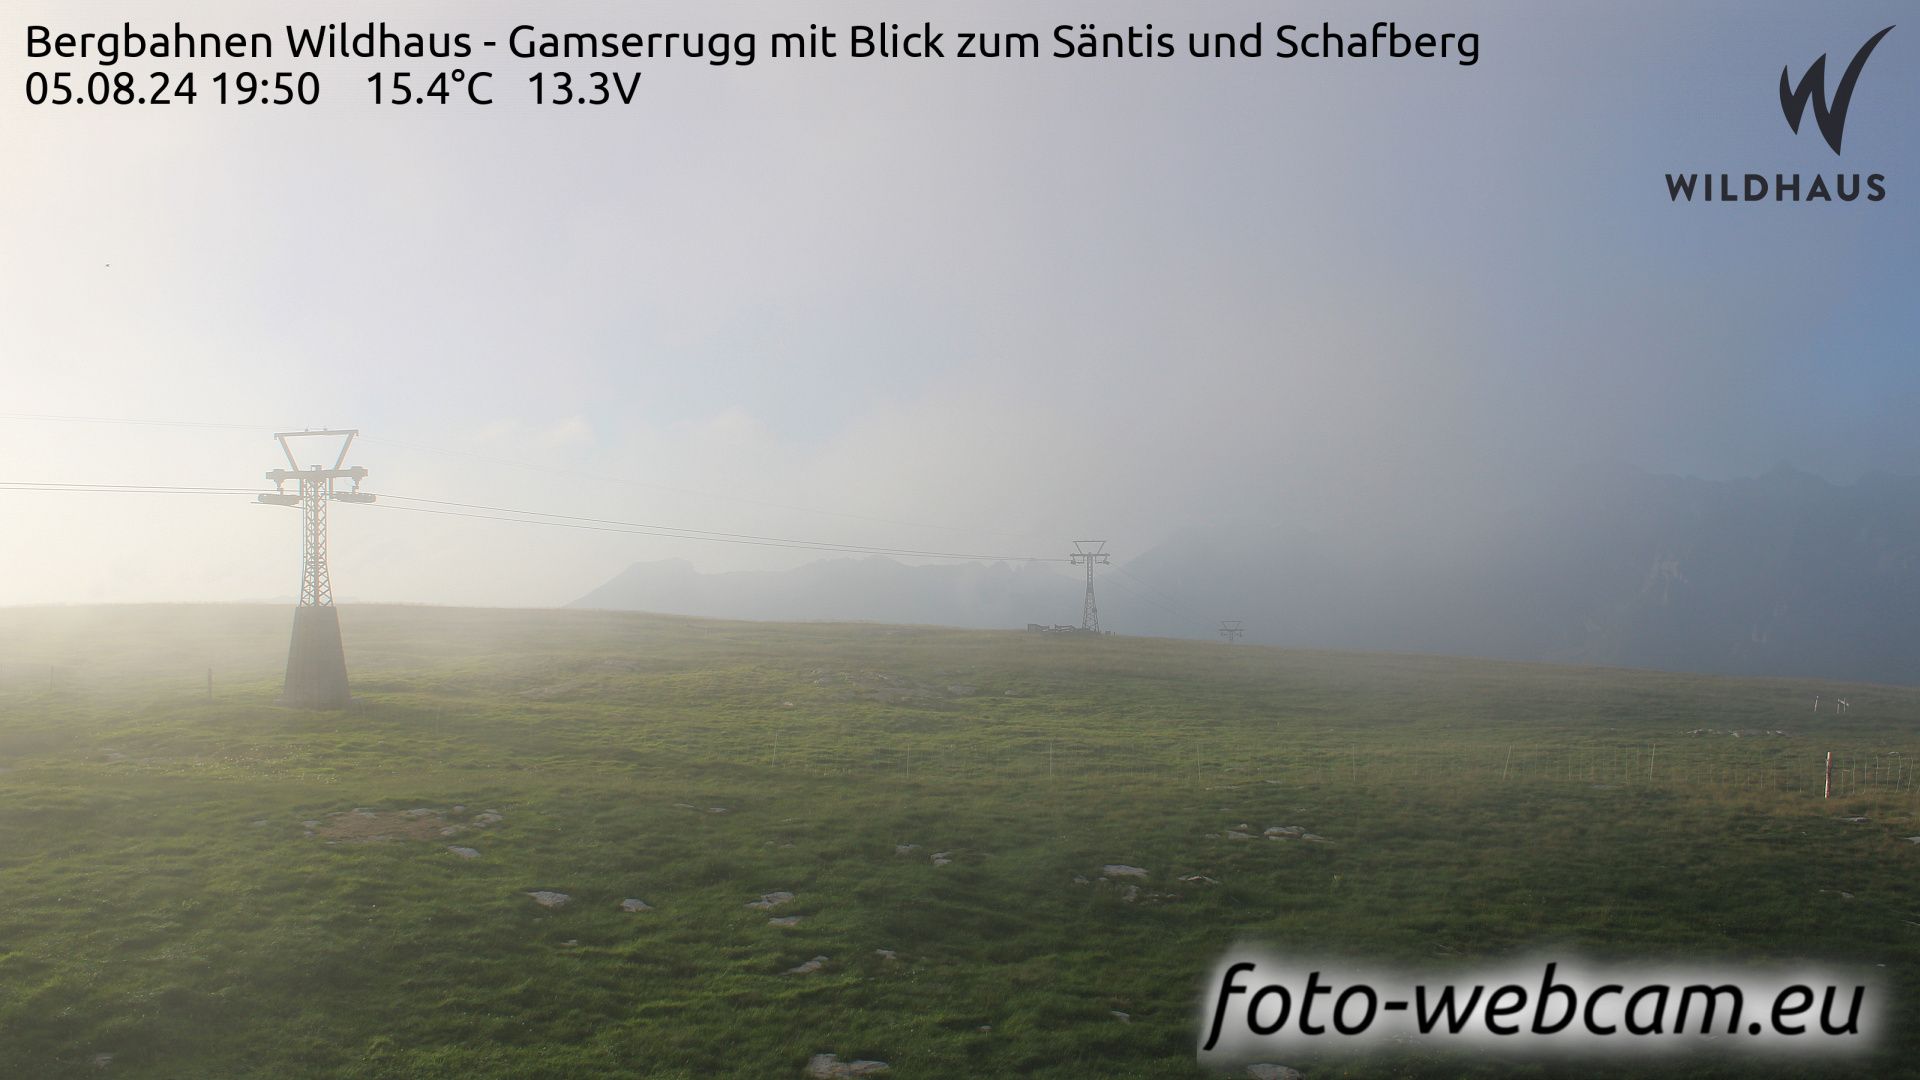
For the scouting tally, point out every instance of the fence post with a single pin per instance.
(1827, 793)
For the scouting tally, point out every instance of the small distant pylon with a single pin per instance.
(1231, 629)
(316, 661)
(1092, 553)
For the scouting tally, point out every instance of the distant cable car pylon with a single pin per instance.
(316, 661)
(1231, 629)
(1093, 553)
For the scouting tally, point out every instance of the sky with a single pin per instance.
(973, 306)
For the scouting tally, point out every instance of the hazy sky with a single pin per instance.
(973, 306)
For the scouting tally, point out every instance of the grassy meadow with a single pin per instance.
(186, 889)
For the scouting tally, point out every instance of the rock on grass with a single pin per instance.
(547, 898)
(830, 1067)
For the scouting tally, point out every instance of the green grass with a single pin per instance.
(160, 901)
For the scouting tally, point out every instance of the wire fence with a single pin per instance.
(956, 749)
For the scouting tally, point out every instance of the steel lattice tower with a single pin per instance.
(1093, 553)
(1231, 629)
(316, 582)
(316, 662)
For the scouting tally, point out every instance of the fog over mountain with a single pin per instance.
(1781, 574)
(870, 589)
(984, 307)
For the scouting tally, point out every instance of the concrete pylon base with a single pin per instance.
(316, 662)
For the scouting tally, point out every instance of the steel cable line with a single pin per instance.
(696, 534)
(635, 529)
(129, 489)
(606, 479)
(535, 517)
(1180, 616)
(1145, 587)
(507, 462)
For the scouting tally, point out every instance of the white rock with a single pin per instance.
(830, 1067)
(1122, 870)
(886, 954)
(905, 849)
(550, 899)
(464, 852)
(942, 858)
(809, 967)
(635, 904)
(769, 901)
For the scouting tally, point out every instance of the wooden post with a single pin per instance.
(1828, 792)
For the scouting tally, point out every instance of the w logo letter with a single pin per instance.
(1831, 118)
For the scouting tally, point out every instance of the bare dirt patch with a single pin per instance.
(364, 825)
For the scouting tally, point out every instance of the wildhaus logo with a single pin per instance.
(1829, 115)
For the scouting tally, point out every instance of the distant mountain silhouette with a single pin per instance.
(1782, 574)
(873, 589)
